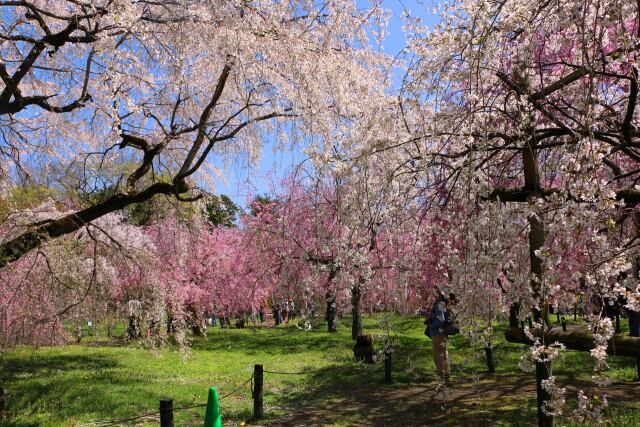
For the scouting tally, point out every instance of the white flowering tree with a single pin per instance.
(146, 93)
(532, 104)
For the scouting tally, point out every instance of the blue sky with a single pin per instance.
(243, 182)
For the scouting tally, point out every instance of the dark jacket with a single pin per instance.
(437, 318)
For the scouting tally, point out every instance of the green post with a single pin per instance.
(212, 415)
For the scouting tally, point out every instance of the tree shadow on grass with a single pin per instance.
(355, 394)
(359, 397)
(42, 364)
(53, 387)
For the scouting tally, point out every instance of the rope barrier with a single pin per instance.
(108, 423)
(237, 388)
(201, 405)
(156, 414)
(293, 373)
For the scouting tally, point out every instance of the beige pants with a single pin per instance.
(440, 355)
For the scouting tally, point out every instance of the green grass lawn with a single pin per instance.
(78, 384)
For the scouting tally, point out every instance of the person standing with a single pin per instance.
(439, 324)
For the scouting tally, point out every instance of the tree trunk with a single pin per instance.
(154, 327)
(543, 372)
(330, 299)
(331, 312)
(196, 321)
(536, 242)
(356, 325)
(171, 329)
(514, 310)
(133, 329)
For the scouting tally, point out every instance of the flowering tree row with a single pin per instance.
(329, 242)
(166, 275)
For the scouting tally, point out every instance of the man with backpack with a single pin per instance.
(439, 326)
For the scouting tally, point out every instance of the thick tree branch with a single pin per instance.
(579, 338)
(202, 123)
(17, 247)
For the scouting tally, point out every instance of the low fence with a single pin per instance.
(164, 413)
(166, 409)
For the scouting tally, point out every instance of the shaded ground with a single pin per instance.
(488, 401)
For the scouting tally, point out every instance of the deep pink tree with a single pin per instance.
(329, 245)
(73, 279)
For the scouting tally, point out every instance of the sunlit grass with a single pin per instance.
(77, 384)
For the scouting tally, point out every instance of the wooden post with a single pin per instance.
(166, 413)
(387, 368)
(558, 316)
(542, 373)
(617, 323)
(3, 403)
(491, 366)
(258, 396)
(564, 324)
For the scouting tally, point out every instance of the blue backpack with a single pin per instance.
(449, 327)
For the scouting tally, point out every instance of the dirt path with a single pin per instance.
(510, 400)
